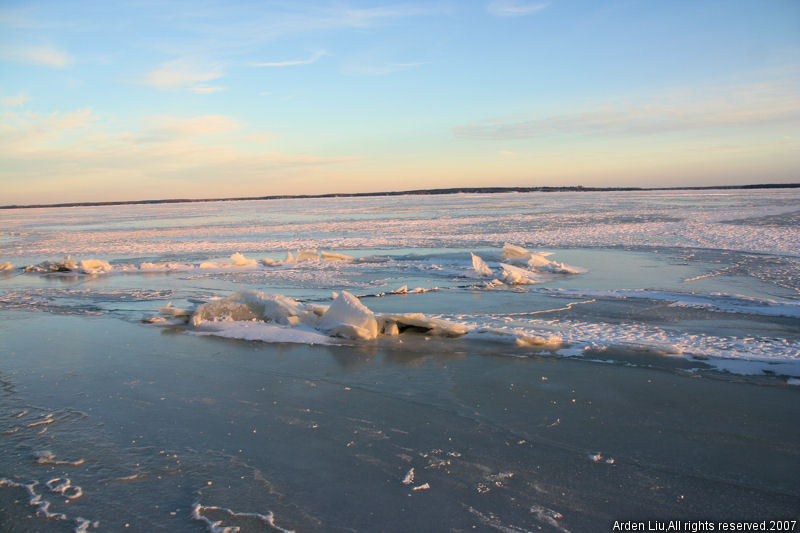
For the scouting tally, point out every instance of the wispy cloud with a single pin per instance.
(514, 8)
(724, 107)
(206, 89)
(228, 29)
(15, 101)
(162, 158)
(180, 73)
(45, 55)
(294, 62)
(365, 17)
(26, 132)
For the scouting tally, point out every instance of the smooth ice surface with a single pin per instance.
(184, 432)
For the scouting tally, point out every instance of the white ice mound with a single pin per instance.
(537, 260)
(433, 326)
(480, 268)
(347, 317)
(332, 256)
(239, 260)
(512, 252)
(561, 268)
(236, 260)
(277, 308)
(309, 254)
(255, 315)
(254, 305)
(552, 342)
(164, 267)
(519, 276)
(175, 311)
(520, 338)
(65, 265)
(289, 258)
(225, 310)
(86, 266)
(95, 266)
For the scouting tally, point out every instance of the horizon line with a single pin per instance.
(419, 192)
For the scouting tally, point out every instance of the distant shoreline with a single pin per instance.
(420, 192)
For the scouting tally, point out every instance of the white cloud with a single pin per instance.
(291, 63)
(25, 132)
(722, 107)
(514, 8)
(368, 16)
(45, 152)
(180, 73)
(15, 101)
(47, 56)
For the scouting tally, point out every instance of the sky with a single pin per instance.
(153, 99)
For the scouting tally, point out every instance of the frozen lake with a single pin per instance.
(509, 362)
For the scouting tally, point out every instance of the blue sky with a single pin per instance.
(153, 99)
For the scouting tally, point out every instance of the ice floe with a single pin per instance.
(253, 315)
(236, 260)
(65, 265)
(519, 276)
(424, 323)
(309, 254)
(333, 256)
(69, 265)
(347, 317)
(480, 268)
(537, 260)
